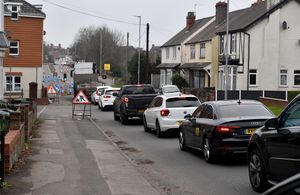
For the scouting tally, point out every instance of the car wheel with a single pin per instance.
(116, 118)
(146, 128)
(257, 172)
(182, 144)
(102, 108)
(158, 131)
(207, 151)
(123, 118)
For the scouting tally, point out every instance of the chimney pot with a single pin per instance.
(190, 20)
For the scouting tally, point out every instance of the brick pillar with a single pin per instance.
(33, 91)
(15, 120)
(25, 109)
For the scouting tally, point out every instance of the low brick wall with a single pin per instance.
(12, 149)
(273, 102)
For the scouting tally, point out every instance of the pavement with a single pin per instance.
(74, 157)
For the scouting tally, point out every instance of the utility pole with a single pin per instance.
(126, 66)
(147, 55)
(100, 55)
(139, 55)
(226, 52)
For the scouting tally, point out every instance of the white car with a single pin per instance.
(107, 98)
(169, 90)
(167, 112)
(95, 95)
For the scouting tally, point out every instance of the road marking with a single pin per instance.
(38, 115)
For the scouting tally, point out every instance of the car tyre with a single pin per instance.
(146, 128)
(157, 130)
(102, 108)
(208, 153)
(182, 142)
(257, 171)
(123, 119)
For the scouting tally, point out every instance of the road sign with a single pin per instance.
(81, 98)
(106, 66)
(51, 89)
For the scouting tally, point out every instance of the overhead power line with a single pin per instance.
(90, 14)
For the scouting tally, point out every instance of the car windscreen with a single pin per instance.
(243, 110)
(110, 92)
(176, 102)
(170, 89)
(139, 90)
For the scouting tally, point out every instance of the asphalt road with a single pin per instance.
(171, 170)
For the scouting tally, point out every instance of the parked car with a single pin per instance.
(222, 127)
(274, 149)
(169, 90)
(165, 113)
(290, 186)
(95, 95)
(132, 101)
(107, 98)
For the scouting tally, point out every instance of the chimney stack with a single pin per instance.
(221, 12)
(190, 20)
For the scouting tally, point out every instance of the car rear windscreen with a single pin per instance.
(182, 102)
(240, 110)
(110, 92)
(139, 90)
(171, 89)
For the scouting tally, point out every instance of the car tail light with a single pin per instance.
(164, 112)
(106, 96)
(226, 129)
(126, 100)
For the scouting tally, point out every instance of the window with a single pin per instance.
(14, 12)
(174, 53)
(197, 112)
(292, 117)
(14, 48)
(283, 77)
(193, 51)
(297, 77)
(252, 75)
(222, 46)
(157, 102)
(207, 112)
(167, 53)
(202, 50)
(13, 83)
(233, 44)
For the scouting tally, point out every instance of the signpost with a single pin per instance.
(81, 99)
(52, 93)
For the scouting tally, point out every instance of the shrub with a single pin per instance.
(292, 95)
(178, 80)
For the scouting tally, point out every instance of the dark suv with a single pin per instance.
(274, 149)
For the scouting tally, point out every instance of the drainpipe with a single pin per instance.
(248, 65)
(1, 50)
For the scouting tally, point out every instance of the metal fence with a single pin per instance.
(252, 95)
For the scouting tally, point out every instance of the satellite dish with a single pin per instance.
(284, 25)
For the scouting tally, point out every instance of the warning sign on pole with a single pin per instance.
(51, 89)
(81, 98)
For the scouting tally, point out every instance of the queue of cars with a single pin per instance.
(217, 128)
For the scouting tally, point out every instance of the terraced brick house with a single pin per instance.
(24, 27)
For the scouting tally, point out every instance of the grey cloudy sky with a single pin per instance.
(166, 17)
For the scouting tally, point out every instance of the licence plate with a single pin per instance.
(249, 131)
(141, 110)
(179, 122)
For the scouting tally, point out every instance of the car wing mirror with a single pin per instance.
(188, 117)
(271, 124)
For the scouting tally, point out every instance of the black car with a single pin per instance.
(274, 149)
(222, 127)
(290, 186)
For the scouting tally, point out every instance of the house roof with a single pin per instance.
(185, 33)
(167, 65)
(205, 35)
(195, 66)
(27, 9)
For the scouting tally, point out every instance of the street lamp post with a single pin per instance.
(226, 52)
(139, 55)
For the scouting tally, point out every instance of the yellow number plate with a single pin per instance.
(141, 110)
(249, 131)
(179, 122)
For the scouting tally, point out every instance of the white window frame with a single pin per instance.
(283, 74)
(202, 50)
(174, 53)
(13, 83)
(222, 44)
(193, 52)
(15, 47)
(296, 74)
(233, 40)
(167, 53)
(254, 74)
(14, 12)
